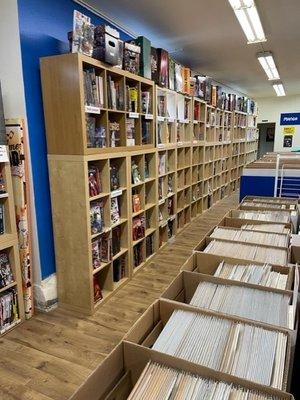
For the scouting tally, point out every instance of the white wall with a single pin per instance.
(270, 109)
(11, 77)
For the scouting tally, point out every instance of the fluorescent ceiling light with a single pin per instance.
(248, 17)
(267, 62)
(279, 89)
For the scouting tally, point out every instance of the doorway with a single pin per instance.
(266, 138)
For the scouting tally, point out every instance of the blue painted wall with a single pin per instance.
(257, 186)
(43, 32)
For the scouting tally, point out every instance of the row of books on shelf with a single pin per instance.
(95, 180)
(116, 136)
(139, 57)
(9, 313)
(120, 97)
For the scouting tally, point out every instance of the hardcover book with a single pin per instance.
(163, 67)
(94, 181)
(114, 210)
(154, 65)
(145, 57)
(96, 214)
(83, 34)
(114, 177)
(116, 240)
(136, 203)
(6, 275)
(107, 45)
(131, 60)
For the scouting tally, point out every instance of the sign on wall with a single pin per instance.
(290, 118)
(289, 130)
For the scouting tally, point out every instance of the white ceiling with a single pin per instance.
(205, 35)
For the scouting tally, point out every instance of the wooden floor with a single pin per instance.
(49, 356)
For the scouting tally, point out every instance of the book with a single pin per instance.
(114, 132)
(119, 269)
(137, 255)
(162, 164)
(93, 88)
(259, 305)
(2, 219)
(146, 102)
(162, 68)
(257, 274)
(115, 94)
(96, 136)
(132, 99)
(114, 177)
(106, 247)
(161, 106)
(3, 133)
(272, 216)
(149, 246)
(160, 188)
(147, 167)
(136, 203)
(9, 313)
(114, 210)
(135, 173)
(96, 216)
(138, 228)
(116, 240)
(6, 275)
(83, 34)
(94, 177)
(244, 350)
(97, 290)
(247, 251)
(170, 229)
(96, 253)
(146, 131)
(130, 132)
(157, 381)
(241, 235)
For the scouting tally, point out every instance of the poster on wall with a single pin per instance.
(15, 134)
(288, 141)
(289, 123)
(290, 118)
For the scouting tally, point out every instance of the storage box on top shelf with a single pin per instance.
(186, 75)
(145, 56)
(116, 377)
(172, 64)
(162, 78)
(200, 86)
(208, 264)
(107, 45)
(131, 59)
(149, 326)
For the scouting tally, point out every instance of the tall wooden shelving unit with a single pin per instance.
(187, 165)
(9, 244)
(69, 159)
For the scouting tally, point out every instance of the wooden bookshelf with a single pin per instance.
(9, 245)
(66, 119)
(192, 161)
